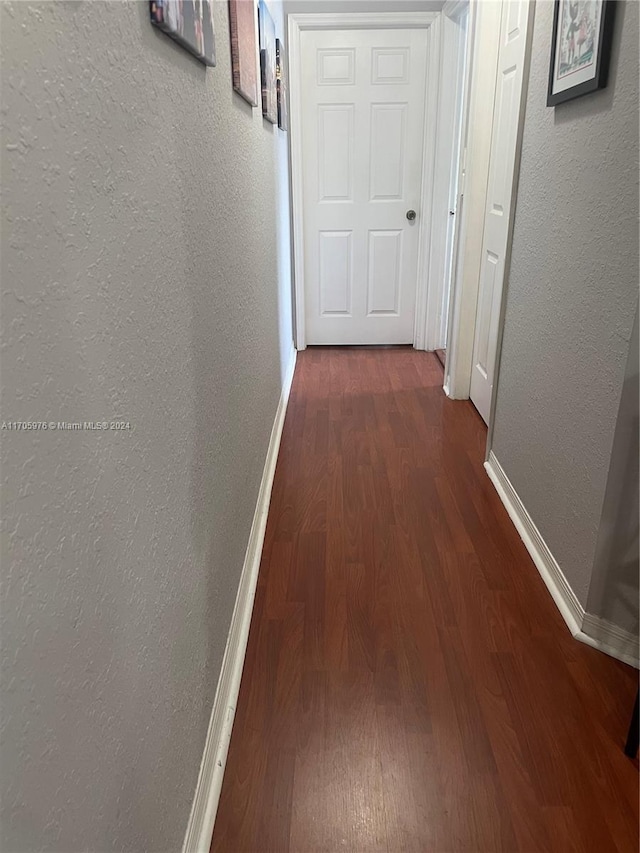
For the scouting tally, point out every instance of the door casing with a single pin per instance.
(452, 120)
(363, 21)
(484, 72)
(501, 197)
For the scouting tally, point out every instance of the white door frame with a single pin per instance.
(484, 72)
(477, 145)
(450, 89)
(514, 202)
(362, 21)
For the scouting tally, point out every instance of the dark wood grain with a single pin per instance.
(409, 684)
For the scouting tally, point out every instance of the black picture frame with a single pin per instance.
(267, 36)
(600, 62)
(189, 23)
(281, 86)
(244, 69)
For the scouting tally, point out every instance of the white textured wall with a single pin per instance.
(572, 296)
(144, 215)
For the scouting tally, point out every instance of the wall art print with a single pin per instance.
(190, 23)
(244, 66)
(281, 86)
(268, 63)
(580, 48)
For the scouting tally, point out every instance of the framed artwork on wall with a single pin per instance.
(281, 86)
(580, 48)
(244, 69)
(268, 63)
(190, 23)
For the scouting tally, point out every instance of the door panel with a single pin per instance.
(387, 151)
(498, 216)
(363, 102)
(336, 272)
(385, 259)
(335, 142)
(336, 67)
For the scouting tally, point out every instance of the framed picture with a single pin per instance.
(244, 69)
(190, 23)
(281, 86)
(580, 48)
(268, 63)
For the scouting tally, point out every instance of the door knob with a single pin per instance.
(411, 215)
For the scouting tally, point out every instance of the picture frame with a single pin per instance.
(189, 23)
(580, 48)
(281, 86)
(244, 67)
(267, 31)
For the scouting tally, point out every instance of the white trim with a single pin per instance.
(585, 627)
(207, 794)
(484, 43)
(609, 638)
(551, 573)
(362, 20)
(420, 339)
(451, 88)
(514, 205)
(354, 21)
(455, 8)
(463, 166)
(460, 346)
(297, 197)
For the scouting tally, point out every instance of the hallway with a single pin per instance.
(409, 684)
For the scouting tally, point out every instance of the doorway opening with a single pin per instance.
(405, 132)
(498, 80)
(450, 164)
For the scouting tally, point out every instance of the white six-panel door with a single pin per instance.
(363, 107)
(500, 197)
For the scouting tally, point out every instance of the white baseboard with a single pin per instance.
(551, 573)
(585, 627)
(609, 638)
(205, 803)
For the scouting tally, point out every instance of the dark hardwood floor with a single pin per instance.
(409, 683)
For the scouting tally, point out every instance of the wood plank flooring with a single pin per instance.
(409, 684)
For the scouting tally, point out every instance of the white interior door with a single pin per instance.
(363, 108)
(500, 197)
